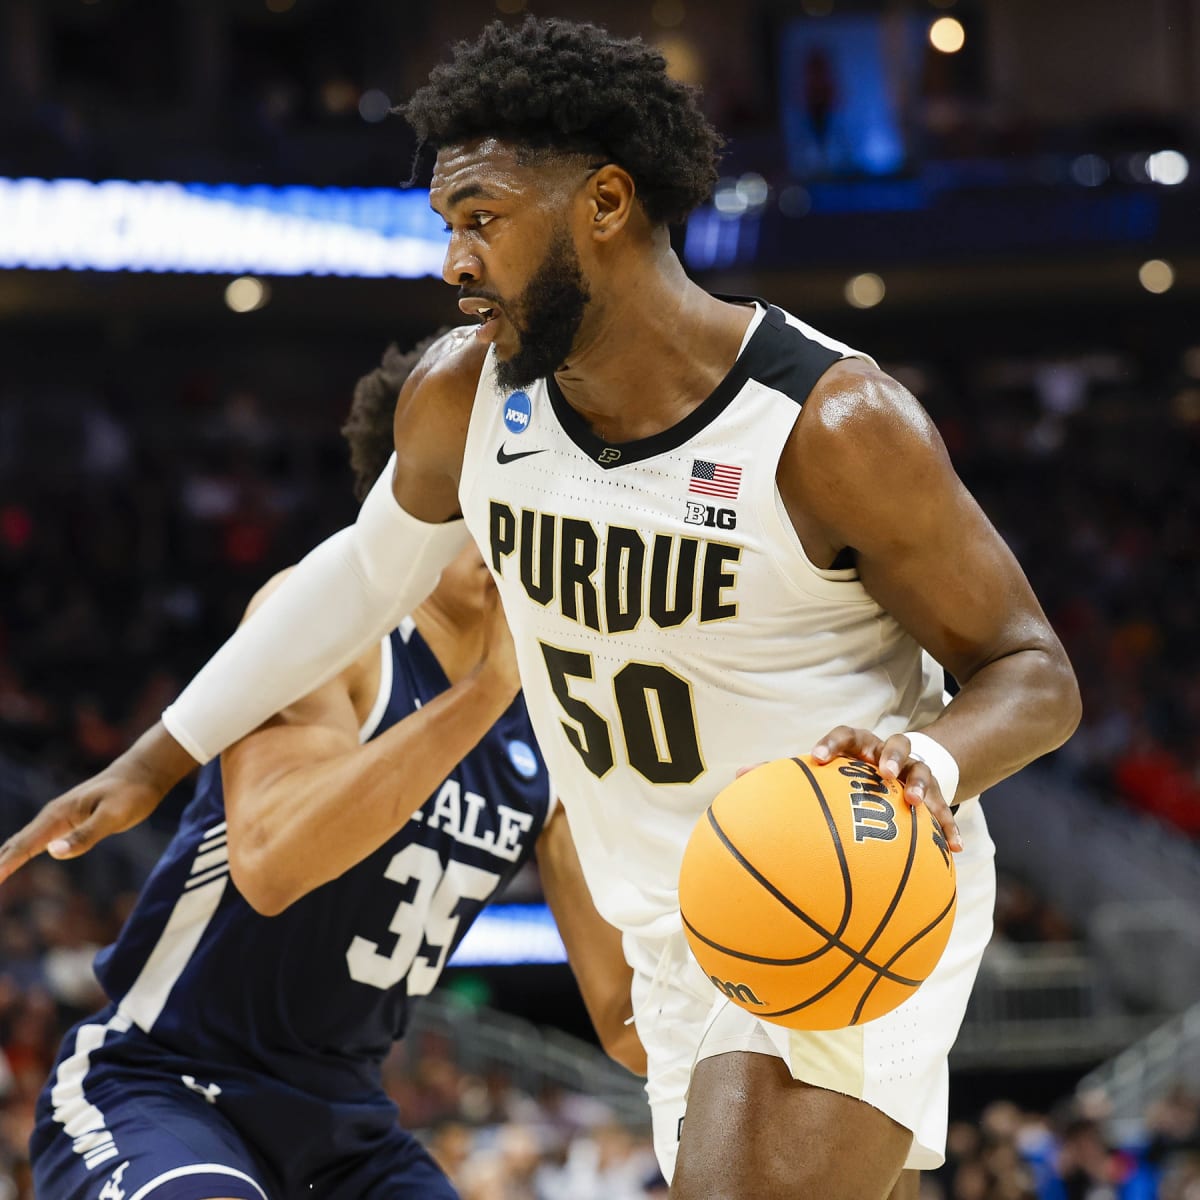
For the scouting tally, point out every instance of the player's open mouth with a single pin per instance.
(486, 313)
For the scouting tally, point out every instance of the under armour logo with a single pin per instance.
(210, 1091)
(112, 1190)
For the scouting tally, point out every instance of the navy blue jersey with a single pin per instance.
(316, 995)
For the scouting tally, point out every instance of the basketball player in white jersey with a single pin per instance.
(720, 537)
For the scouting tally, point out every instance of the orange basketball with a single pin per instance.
(816, 896)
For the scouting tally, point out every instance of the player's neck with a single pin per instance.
(651, 352)
(456, 641)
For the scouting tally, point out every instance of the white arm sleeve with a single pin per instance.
(341, 598)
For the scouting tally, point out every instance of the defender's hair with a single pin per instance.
(368, 427)
(572, 88)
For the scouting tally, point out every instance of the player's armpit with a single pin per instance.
(593, 946)
(865, 467)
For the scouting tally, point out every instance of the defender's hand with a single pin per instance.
(117, 798)
(500, 654)
(895, 760)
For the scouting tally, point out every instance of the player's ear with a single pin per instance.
(611, 195)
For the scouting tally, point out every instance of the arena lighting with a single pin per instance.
(246, 293)
(1090, 170)
(1157, 276)
(1167, 167)
(947, 35)
(506, 935)
(225, 229)
(374, 105)
(865, 291)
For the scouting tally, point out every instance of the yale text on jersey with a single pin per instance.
(456, 811)
(609, 578)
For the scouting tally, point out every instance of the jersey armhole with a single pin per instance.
(786, 549)
(368, 727)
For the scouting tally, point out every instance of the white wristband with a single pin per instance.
(941, 763)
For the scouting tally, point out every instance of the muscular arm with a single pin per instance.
(352, 588)
(305, 802)
(593, 946)
(865, 467)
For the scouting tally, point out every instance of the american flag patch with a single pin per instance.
(715, 479)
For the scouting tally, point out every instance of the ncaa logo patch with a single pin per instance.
(518, 411)
(523, 758)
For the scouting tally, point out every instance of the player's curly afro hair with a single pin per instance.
(368, 427)
(574, 88)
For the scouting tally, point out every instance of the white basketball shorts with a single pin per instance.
(895, 1063)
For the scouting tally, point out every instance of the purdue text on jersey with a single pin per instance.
(610, 577)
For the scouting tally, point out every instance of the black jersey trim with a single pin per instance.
(785, 358)
(778, 355)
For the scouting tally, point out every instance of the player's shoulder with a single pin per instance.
(857, 398)
(789, 356)
(449, 368)
(433, 410)
(861, 424)
(849, 405)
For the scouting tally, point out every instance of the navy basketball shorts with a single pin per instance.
(123, 1119)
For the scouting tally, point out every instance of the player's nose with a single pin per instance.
(460, 266)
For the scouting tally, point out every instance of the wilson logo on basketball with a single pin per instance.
(874, 814)
(741, 993)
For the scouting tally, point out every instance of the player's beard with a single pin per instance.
(547, 317)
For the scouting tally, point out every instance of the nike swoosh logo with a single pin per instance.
(503, 457)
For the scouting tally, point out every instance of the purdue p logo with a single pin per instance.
(739, 992)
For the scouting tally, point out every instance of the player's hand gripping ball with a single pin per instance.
(814, 895)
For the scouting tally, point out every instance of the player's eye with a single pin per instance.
(478, 221)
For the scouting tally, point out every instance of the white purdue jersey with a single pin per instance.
(669, 627)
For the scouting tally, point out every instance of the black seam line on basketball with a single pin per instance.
(856, 956)
(912, 941)
(913, 834)
(881, 972)
(912, 854)
(836, 837)
(790, 962)
(836, 982)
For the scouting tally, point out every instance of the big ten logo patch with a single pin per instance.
(518, 411)
(709, 516)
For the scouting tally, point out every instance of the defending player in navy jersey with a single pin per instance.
(315, 888)
(720, 537)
